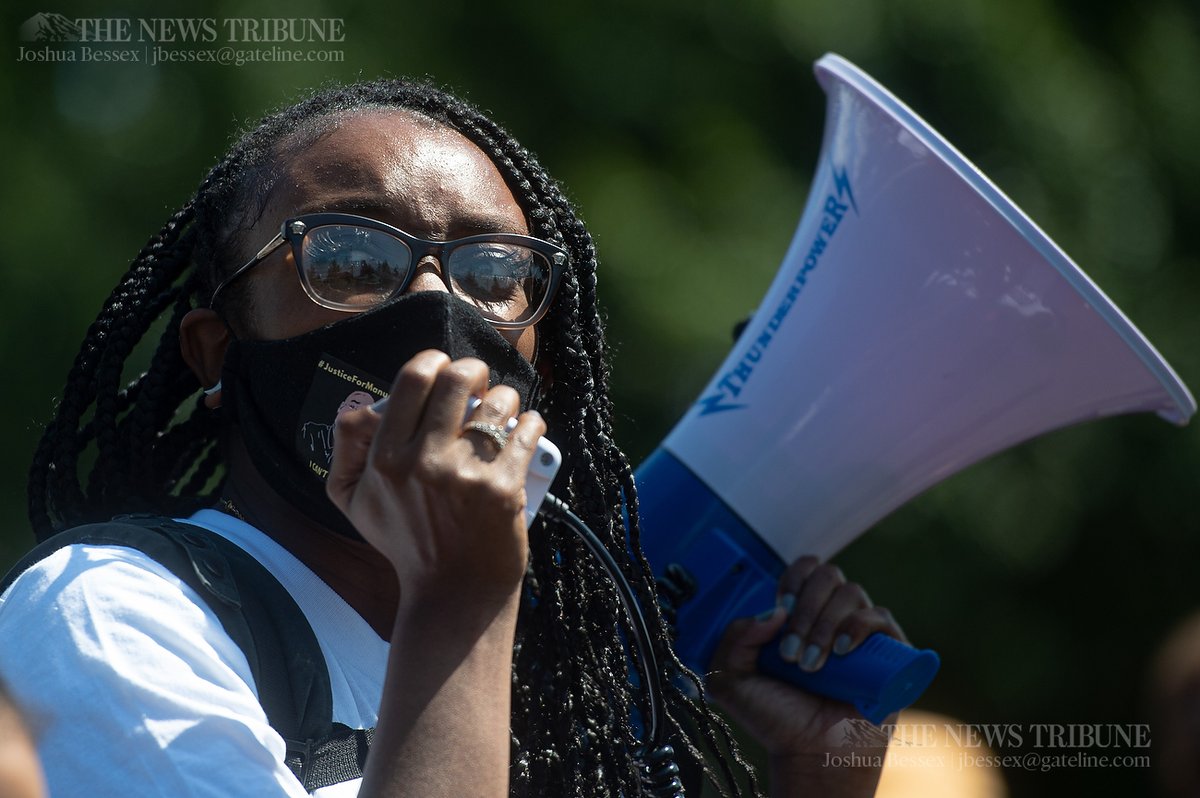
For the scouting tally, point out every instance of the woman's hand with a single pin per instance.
(819, 612)
(446, 506)
(443, 503)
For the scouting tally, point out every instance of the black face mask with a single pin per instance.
(285, 395)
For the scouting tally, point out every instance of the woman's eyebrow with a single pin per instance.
(471, 225)
(364, 205)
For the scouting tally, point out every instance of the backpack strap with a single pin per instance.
(339, 757)
(261, 617)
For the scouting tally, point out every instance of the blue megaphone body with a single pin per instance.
(919, 323)
(735, 574)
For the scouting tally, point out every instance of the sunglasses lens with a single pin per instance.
(505, 282)
(351, 268)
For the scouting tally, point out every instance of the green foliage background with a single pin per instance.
(687, 133)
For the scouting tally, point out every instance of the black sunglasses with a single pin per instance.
(353, 263)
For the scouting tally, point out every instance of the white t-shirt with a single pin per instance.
(133, 687)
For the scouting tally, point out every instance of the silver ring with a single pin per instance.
(498, 434)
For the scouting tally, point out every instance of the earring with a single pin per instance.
(215, 389)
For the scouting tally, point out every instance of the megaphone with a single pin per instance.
(919, 323)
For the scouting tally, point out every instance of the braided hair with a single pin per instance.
(152, 445)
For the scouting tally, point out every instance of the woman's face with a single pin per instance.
(392, 166)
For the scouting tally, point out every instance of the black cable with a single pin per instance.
(660, 773)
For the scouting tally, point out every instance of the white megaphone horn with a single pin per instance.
(919, 323)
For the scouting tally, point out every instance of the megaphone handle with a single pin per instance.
(733, 573)
(879, 677)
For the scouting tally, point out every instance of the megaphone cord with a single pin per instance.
(659, 771)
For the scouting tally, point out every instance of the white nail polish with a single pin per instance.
(789, 647)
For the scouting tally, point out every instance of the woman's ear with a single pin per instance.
(203, 337)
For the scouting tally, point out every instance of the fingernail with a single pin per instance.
(788, 602)
(811, 655)
(766, 615)
(842, 644)
(789, 647)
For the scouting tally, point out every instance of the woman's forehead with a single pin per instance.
(419, 174)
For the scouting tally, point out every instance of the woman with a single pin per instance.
(378, 231)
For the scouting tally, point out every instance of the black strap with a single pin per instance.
(340, 757)
(259, 615)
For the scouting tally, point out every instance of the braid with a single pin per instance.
(574, 711)
(55, 496)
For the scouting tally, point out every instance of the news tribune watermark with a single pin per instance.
(232, 41)
(1037, 747)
